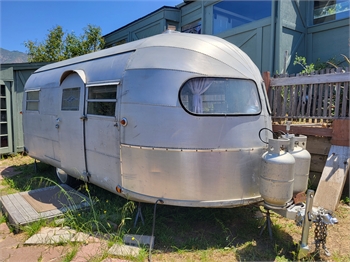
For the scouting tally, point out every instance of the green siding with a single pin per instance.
(266, 41)
(291, 32)
(14, 76)
(328, 41)
(152, 24)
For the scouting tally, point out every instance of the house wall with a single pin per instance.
(152, 24)
(14, 77)
(291, 31)
(271, 43)
(329, 40)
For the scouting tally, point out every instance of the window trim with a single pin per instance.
(219, 115)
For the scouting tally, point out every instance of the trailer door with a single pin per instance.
(102, 135)
(70, 124)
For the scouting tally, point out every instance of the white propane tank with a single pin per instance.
(277, 174)
(297, 149)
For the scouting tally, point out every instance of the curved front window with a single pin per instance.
(220, 96)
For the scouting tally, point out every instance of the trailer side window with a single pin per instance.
(102, 100)
(70, 99)
(217, 96)
(32, 100)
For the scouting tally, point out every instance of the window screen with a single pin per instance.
(102, 100)
(70, 99)
(32, 102)
(217, 96)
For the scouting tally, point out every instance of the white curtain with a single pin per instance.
(198, 87)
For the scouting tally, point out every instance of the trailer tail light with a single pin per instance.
(119, 189)
(123, 121)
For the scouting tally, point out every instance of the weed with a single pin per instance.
(3, 218)
(71, 254)
(40, 258)
(346, 200)
(34, 227)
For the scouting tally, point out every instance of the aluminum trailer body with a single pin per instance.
(174, 116)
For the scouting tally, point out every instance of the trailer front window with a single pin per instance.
(102, 100)
(217, 96)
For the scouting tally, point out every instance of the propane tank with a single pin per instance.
(277, 174)
(297, 149)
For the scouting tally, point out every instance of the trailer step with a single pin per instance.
(45, 203)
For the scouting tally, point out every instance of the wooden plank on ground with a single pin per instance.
(333, 178)
(21, 212)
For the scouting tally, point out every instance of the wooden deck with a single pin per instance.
(20, 212)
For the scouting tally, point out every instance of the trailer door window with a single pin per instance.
(102, 100)
(32, 100)
(217, 96)
(70, 99)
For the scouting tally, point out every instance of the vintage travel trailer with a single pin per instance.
(176, 116)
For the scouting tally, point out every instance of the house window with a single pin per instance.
(70, 99)
(32, 101)
(231, 14)
(218, 96)
(3, 119)
(102, 100)
(192, 28)
(330, 10)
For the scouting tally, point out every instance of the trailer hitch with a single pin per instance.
(305, 215)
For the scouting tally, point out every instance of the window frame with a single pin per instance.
(91, 100)
(33, 100)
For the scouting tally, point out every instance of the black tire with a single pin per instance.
(64, 178)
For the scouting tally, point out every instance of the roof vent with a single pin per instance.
(170, 29)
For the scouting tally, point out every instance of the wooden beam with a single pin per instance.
(308, 130)
(312, 79)
(341, 132)
(267, 80)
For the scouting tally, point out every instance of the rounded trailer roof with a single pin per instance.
(200, 54)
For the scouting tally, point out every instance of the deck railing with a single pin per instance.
(320, 97)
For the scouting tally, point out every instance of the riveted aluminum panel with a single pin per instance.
(190, 177)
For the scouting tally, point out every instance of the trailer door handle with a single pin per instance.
(84, 118)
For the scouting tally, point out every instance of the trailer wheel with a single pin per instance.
(64, 178)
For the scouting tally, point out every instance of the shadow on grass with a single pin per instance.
(234, 230)
(29, 176)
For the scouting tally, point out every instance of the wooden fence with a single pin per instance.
(320, 97)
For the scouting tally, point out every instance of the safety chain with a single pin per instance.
(320, 234)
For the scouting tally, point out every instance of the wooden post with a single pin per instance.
(267, 80)
(341, 132)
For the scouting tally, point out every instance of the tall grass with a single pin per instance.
(181, 233)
